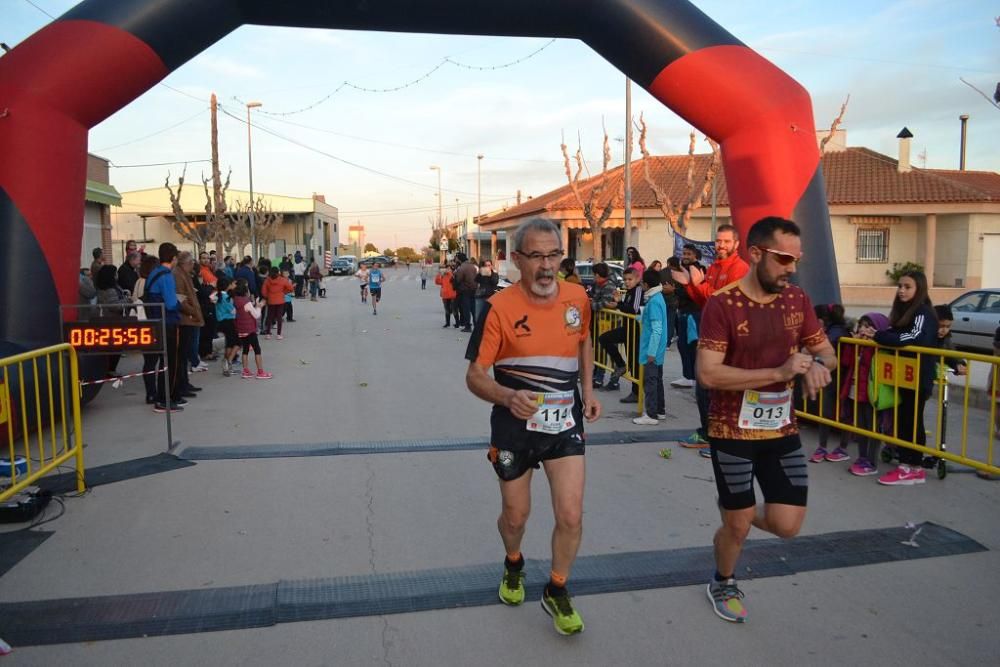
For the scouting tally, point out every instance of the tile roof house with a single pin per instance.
(882, 212)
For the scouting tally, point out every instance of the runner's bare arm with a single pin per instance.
(591, 406)
(713, 373)
(818, 375)
(825, 353)
(521, 403)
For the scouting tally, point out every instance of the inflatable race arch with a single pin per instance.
(102, 54)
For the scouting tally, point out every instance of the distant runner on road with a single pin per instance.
(749, 356)
(375, 280)
(536, 336)
(362, 275)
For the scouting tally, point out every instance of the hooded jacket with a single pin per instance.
(865, 354)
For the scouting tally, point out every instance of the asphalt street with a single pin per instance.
(344, 375)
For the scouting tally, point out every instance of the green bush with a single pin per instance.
(899, 269)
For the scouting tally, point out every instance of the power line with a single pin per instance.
(883, 61)
(152, 134)
(181, 92)
(39, 9)
(434, 151)
(155, 164)
(392, 89)
(349, 163)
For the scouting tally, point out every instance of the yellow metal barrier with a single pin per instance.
(40, 415)
(899, 369)
(609, 320)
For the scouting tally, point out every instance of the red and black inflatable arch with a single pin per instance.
(102, 54)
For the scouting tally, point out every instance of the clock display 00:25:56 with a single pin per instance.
(97, 336)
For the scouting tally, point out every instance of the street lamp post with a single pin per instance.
(627, 236)
(443, 242)
(253, 225)
(479, 197)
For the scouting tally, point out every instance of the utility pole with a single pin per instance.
(253, 223)
(628, 163)
(443, 243)
(479, 197)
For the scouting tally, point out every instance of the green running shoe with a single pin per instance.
(565, 619)
(512, 586)
(694, 441)
(727, 600)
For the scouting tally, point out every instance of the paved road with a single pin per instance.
(343, 374)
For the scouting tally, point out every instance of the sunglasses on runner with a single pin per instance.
(782, 258)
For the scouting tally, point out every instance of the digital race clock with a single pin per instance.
(113, 335)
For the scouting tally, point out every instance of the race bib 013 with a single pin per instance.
(766, 410)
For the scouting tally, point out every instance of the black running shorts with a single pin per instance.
(228, 329)
(534, 448)
(778, 465)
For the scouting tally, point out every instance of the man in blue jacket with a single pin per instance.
(653, 340)
(162, 289)
(247, 273)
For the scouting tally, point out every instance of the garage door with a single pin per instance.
(991, 268)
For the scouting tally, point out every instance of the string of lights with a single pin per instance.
(392, 89)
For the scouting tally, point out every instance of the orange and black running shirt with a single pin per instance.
(532, 346)
(754, 335)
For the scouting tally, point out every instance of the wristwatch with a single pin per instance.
(819, 360)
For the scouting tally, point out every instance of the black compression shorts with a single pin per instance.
(778, 465)
(249, 341)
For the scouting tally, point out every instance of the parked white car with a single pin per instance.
(977, 316)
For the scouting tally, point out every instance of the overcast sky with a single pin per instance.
(369, 153)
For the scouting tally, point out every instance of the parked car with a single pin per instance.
(342, 267)
(381, 259)
(977, 316)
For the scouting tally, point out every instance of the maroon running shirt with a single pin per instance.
(754, 335)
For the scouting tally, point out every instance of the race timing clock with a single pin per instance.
(113, 335)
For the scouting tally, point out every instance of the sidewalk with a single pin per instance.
(343, 375)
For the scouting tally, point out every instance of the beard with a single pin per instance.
(770, 285)
(541, 290)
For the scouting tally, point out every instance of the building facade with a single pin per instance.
(99, 197)
(308, 224)
(883, 211)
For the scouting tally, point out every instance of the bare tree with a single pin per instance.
(834, 125)
(594, 211)
(265, 222)
(191, 230)
(678, 213)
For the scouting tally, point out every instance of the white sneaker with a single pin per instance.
(662, 415)
(200, 368)
(645, 420)
(683, 383)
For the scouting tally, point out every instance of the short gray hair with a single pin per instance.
(533, 225)
(184, 256)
